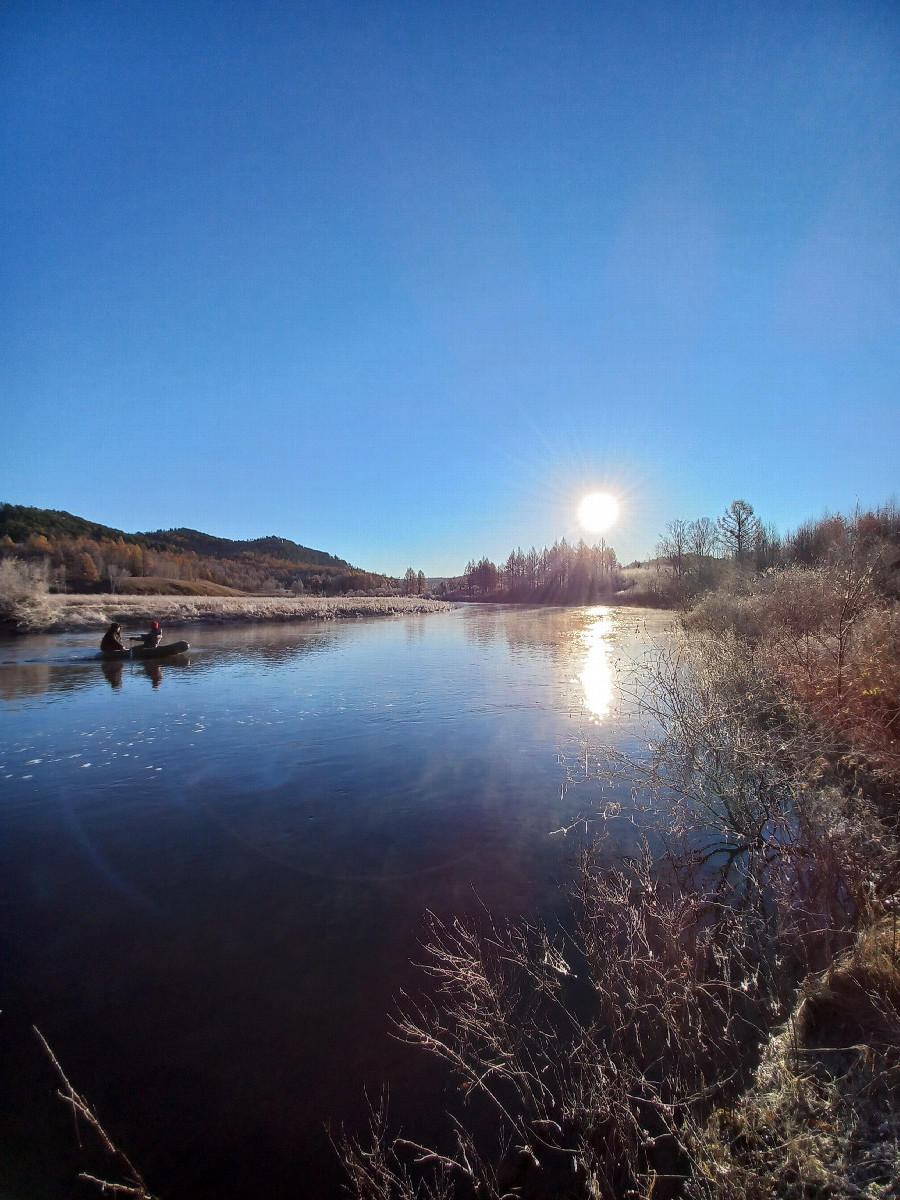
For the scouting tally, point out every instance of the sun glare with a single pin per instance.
(598, 511)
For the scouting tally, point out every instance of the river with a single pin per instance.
(213, 871)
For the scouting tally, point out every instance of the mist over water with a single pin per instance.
(213, 871)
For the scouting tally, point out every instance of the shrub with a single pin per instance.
(23, 588)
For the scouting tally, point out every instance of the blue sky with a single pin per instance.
(401, 281)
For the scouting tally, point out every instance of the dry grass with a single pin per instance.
(145, 586)
(600, 1056)
(76, 613)
(831, 639)
(822, 1118)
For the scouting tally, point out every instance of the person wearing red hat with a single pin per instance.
(153, 638)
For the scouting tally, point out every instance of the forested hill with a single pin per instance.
(208, 546)
(20, 523)
(80, 555)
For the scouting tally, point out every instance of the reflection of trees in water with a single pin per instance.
(534, 629)
(259, 649)
(20, 680)
(545, 628)
(582, 646)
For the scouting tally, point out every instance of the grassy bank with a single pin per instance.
(63, 614)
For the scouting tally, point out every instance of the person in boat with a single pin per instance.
(112, 639)
(151, 639)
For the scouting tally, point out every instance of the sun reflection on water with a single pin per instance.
(596, 676)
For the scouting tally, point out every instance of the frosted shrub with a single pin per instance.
(722, 613)
(23, 592)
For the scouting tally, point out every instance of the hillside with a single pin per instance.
(19, 523)
(83, 555)
(209, 546)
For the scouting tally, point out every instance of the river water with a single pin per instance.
(213, 871)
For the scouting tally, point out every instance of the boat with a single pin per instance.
(145, 651)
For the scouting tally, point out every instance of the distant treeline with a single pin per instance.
(83, 556)
(692, 557)
(560, 574)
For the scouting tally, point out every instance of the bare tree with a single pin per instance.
(703, 537)
(738, 529)
(674, 547)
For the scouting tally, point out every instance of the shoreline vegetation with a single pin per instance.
(46, 613)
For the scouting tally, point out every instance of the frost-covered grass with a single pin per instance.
(73, 613)
(23, 593)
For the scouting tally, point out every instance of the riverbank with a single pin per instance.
(73, 614)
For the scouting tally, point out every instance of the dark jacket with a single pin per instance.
(111, 639)
(153, 638)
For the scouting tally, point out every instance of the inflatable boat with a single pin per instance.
(145, 651)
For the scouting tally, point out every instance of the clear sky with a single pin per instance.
(402, 280)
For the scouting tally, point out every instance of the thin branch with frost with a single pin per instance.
(134, 1184)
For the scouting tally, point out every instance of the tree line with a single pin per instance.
(697, 556)
(692, 557)
(105, 564)
(559, 574)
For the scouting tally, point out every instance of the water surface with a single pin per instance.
(213, 871)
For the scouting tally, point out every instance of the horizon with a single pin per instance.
(406, 285)
(594, 540)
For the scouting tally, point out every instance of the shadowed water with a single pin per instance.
(213, 872)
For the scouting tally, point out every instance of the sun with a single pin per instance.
(598, 511)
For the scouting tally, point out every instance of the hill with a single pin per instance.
(83, 555)
(209, 546)
(19, 523)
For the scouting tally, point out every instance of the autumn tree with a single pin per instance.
(766, 547)
(88, 569)
(38, 544)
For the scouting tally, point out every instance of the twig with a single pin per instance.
(134, 1185)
